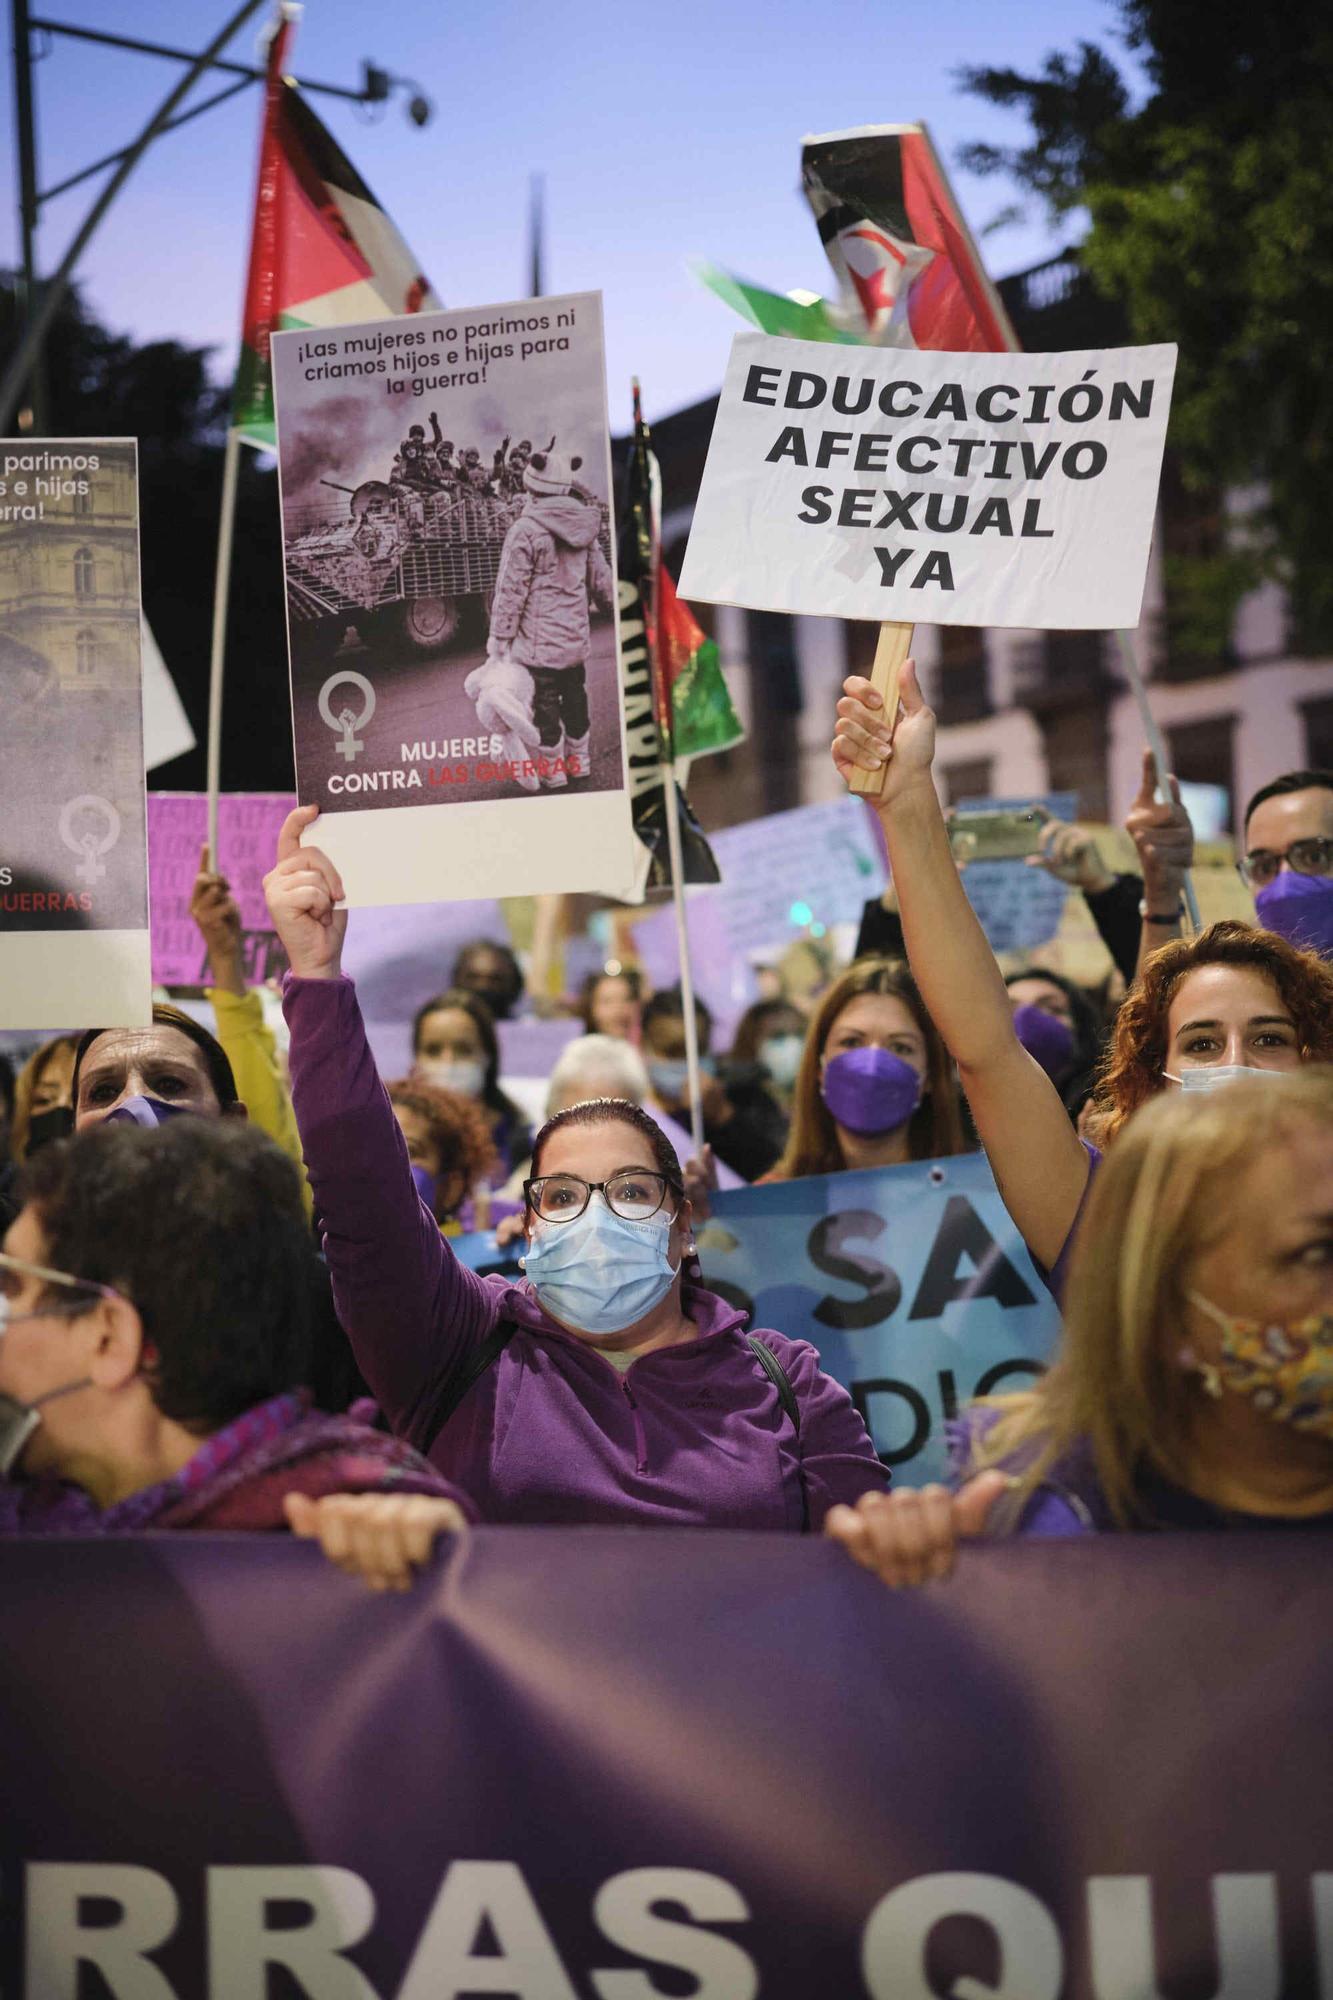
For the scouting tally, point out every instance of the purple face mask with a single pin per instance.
(144, 1111)
(1047, 1039)
(869, 1090)
(1300, 909)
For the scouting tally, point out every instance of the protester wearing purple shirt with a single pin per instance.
(625, 1391)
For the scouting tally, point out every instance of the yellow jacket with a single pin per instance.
(261, 1077)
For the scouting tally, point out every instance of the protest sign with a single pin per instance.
(816, 864)
(953, 489)
(248, 827)
(73, 850)
(451, 601)
(599, 1762)
(1018, 907)
(911, 1281)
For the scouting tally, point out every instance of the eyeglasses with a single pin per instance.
(1307, 857)
(631, 1192)
(13, 1271)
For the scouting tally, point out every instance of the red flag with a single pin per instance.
(323, 252)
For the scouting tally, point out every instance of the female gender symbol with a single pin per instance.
(87, 843)
(351, 744)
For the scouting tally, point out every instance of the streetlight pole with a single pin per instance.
(25, 138)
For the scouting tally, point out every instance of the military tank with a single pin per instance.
(399, 563)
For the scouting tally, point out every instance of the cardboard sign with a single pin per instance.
(451, 601)
(248, 828)
(949, 489)
(816, 864)
(73, 850)
(912, 1283)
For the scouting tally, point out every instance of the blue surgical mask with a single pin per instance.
(781, 1057)
(1212, 1076)
(670, 1076)
(600, 1273)
(464, 1074)
(147, 1111)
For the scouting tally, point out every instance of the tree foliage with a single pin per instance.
(1210, 223)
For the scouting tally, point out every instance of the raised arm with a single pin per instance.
(1040, 1166)
(411, 1311)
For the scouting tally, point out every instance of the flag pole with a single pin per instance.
(672, 803)
(221, 592)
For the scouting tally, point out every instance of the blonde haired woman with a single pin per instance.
(1194, 1386)
(876, 1086)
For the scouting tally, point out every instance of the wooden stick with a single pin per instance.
(895, 642)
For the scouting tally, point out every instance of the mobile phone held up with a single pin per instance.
(996, 836)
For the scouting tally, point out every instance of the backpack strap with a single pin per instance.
(781, 1381)
(457, 1387)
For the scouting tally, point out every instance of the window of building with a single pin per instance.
(972, 780)
(962, 686)
(1318, 719)
(1204, 753)
(83, 502)
(85, 652)
(85, 575)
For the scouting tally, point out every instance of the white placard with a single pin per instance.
(74, 941)
(418, 548)
(947, 489)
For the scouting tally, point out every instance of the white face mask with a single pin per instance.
(466, 1075)
(1214, 1075)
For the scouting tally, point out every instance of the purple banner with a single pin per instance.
(602, 1763)
(248, 827)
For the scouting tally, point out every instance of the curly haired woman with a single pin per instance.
(1232, 999)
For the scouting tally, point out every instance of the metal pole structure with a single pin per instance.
(25, 139)
(53, 293)
(221, 591)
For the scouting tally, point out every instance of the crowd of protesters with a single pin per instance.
(228, 1295)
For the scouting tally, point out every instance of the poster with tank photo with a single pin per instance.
(74, 936)
(451, 600)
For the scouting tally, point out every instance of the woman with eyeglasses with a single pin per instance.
(1233, 999)
(609, 1385)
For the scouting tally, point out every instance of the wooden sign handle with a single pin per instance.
(895, 643)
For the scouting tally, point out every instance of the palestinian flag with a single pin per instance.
(702, 717)
(645, 689)
(775, 312)
(323, 252)
(908, 270)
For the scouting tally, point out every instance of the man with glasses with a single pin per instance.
(1288, 858)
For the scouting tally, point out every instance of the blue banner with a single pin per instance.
(911, 1281)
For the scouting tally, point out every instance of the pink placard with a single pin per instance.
(248, 825)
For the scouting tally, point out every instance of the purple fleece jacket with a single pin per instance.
(687, 1436)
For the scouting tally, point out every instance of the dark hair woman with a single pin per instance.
(609, 1385)
(876, 1085)
(454, 1046)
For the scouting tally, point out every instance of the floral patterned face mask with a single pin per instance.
(1284, 1368)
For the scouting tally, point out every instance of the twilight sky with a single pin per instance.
(664, 133)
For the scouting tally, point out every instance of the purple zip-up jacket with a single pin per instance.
(688, 1436)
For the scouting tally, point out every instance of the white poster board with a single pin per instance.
(74, 939)
(948, 489)
(446, 499)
